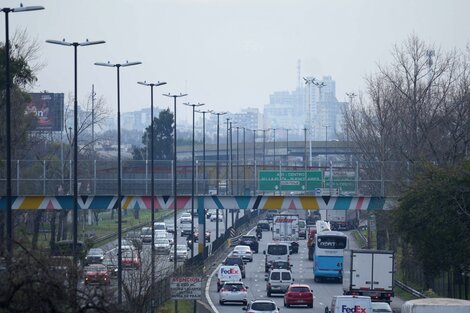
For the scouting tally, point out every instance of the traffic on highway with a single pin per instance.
(268, 270)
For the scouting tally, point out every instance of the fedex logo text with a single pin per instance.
(354, 309)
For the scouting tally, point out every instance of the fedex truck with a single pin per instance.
(285, 227)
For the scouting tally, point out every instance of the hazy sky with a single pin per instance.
(229, 54)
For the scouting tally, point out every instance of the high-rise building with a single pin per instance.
(292, 109)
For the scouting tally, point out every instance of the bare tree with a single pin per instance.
(414, 109)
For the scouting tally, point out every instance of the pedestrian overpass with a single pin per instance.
(259, 202)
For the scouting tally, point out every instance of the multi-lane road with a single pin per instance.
(301, 271)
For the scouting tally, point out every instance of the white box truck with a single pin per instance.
(436, 305)
(369, 273)
(285, 227)
(342, 219)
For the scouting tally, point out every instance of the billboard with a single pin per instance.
(49, 110)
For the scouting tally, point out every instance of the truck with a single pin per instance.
(436, 305)
(285, 227)
(342, 219)
(369, 273)
(312, 231)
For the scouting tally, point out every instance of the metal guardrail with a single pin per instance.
(409, 289)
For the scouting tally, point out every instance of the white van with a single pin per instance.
(350, 304)
(228, 273)
(278, 281)
(275, 251)
(436, 305)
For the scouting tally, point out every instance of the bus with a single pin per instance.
(328, 255)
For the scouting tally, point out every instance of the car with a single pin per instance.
(280, 264)
(214, 217)
(146, 234)
(170, 226)
(210, 212)
(131, 259)
(236, 260)
(161, 234)
(111, 263)
(181, 253)
(278, 281)
(264, 225)
(94, 256)
(251, 241)
(186, 216)
(233, 292)
(126, 245)
(382, 307)
(159, 226)
(97, 273)
(208, 235)
(298, 294)
(244, 252)
(162, 246)
(261, 306)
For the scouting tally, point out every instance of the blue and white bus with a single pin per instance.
(328, 255)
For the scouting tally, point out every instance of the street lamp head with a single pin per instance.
(59, 42)
(21, 8)
(175, 95)
(66, 43)
(158, 83)
(91, 43)
(109, 64)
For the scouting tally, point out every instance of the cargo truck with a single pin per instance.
(342, 219)
(369, 273)
(285, 227)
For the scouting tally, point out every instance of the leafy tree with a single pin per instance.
(163, 135)
(433, 218)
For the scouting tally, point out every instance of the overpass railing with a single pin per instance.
(47, 177)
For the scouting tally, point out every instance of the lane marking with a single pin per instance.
(207, 291)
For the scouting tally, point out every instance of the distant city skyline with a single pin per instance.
(229, 54)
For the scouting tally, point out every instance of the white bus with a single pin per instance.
(328, 255)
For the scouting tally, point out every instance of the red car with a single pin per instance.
(97, 273)
(131, 259)
(298, 294)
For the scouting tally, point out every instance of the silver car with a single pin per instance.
(162, 246)
(244, 252)
(181, 253)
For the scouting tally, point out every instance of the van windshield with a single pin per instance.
(277, 250)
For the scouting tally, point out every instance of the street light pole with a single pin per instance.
(238, 164)
(244, 161)
(217, 173)
(175, 193)
(194, 105)
(118, 66)
(226, 173)
(75, 45)
(152, 177)
(204, 146)
(326, 144)
(9, 215)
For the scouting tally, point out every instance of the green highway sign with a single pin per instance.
(289, 180)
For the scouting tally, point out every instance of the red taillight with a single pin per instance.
(224, 289)
(243, 289)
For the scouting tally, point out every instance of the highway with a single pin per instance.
(302, 273)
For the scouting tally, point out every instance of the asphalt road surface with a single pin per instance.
(302, 272)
